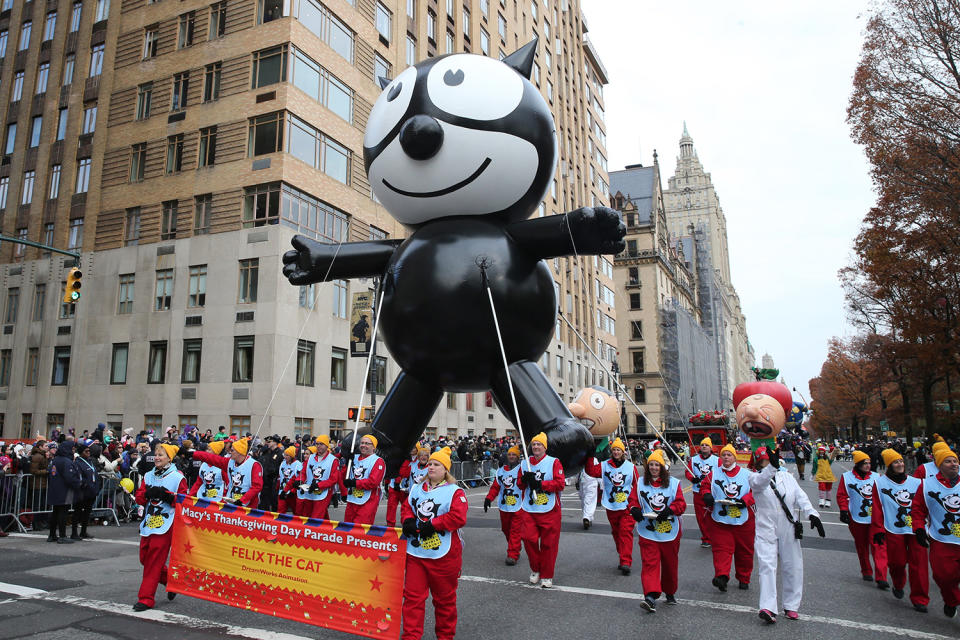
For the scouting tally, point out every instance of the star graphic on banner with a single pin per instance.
(187, 547)
(375, 584)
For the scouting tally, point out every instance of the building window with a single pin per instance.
(239, 425)
(269, 66)
(12, 310)
(125, 296)
(636, 330)
(11, 139)
(39, 297)
(144, 97)
(640, 394)
(103, 10)
(75, 237)
(138, 161)
(54, 192)
(131, 227)
(164, 290)
(266, 134)
(302, 427)
(174, 153)
(338, 369)
(192, 352)
(67, 309)
(43, 74)
(181, 85)
(502, 27)
(208, 147)
(83, 175)
(202, 206)
(32, 374)
(450, 42)
(75, 13)
(381, 68)
(89, 119)
(261, 205)
(36, 127)
(635, 301)
(305, 358)
(377, 379)
(50, 26)
(317, 150)
(431, 26)
(48, 227)
(17, 86)
(249, 275)
(411, 50)
(157, 363)
(4, 36)
(243, 358)
(308, 296)
(327, 27)
(4, 191)
(185, 34)
(168, 220)
(61, 366)
(218, 19)
(150, 39)
(384, 20)
(466, 23)
(211, 81)
(320, 84)
(636, 356)
(412, 9)
(270, 10)
(69, 64)
(340, 298)
(451, 401)
(153, 422)
(484, 42)
(25, 32)
(118, 363)
(197, 296)
(26, 197)
(20, 249)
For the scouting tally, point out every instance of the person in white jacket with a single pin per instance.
(777, 534)
(587, 487)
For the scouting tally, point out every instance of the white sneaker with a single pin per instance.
(546, 583)
(827, 505)
(535, 577)
(821, 503)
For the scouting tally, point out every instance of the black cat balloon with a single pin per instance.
(461, 149)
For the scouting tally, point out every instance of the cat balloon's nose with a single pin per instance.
(421, 137)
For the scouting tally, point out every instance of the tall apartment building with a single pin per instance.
(178, 145)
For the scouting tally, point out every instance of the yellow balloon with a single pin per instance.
(127, 485)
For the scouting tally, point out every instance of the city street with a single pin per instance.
(86, 591)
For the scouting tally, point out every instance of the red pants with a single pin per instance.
(736, 542)
(394, 499)
(659, 562)
(289, 504)
(825, 486)
(621, 527)
(865, 546)
(541, 539)
(364, 513)
(703, 517)
(153, 556)
(317, 509)
(439, 578)
(945, 564)
(512, 524)
(902, 551)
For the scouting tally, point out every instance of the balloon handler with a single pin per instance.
(505, 490)
(935, 518)
(461, 149)
(157, 494)
(762, 409)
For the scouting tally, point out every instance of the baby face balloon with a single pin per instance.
(597, 410)
(762, 408)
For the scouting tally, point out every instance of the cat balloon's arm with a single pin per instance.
(310, 261)
(586, 231)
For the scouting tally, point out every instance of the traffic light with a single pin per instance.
(71, 292)
(366, 413)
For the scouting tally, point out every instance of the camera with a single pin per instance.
(798, 530)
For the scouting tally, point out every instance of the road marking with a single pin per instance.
(720, 606)
(17, 590)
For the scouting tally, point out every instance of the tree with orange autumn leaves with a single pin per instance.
(903, 285)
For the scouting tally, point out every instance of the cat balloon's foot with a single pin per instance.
(570, 442)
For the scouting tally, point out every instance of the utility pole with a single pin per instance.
(38, 245)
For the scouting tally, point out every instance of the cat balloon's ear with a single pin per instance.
(383, 82)
(521, 60)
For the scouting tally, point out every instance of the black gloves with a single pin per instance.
(486, 504)
(168, 498)
(529, 477)
(845, 517)
(664, 515)
(426, 529)
(921, 536)
(185, 452)
(350, 483)
(740, 502)
(636, 513)
(775, 458)
(879, 538)
(536, 485)
(815, 523)
(709, 501)
(410, 527)
(155, 493)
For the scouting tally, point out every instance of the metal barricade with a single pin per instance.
(10, 500)
(473, 474)
(29, 503)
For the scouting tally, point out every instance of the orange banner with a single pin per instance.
(338, 575)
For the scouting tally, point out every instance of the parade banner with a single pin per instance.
(341, 576)
(360, 324)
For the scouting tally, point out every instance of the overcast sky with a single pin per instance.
(763, 88)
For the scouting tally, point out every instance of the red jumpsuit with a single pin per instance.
(944, 557)
(732, 541)
(153, 553)
(318, 509)
(699, 509)
(902, 551)
(437, 576)
(511, 522)
(396, 497)
(541, 531)
(659, 561)
(862, 539)
(252, 496)
(364, 513)
(621, 522)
